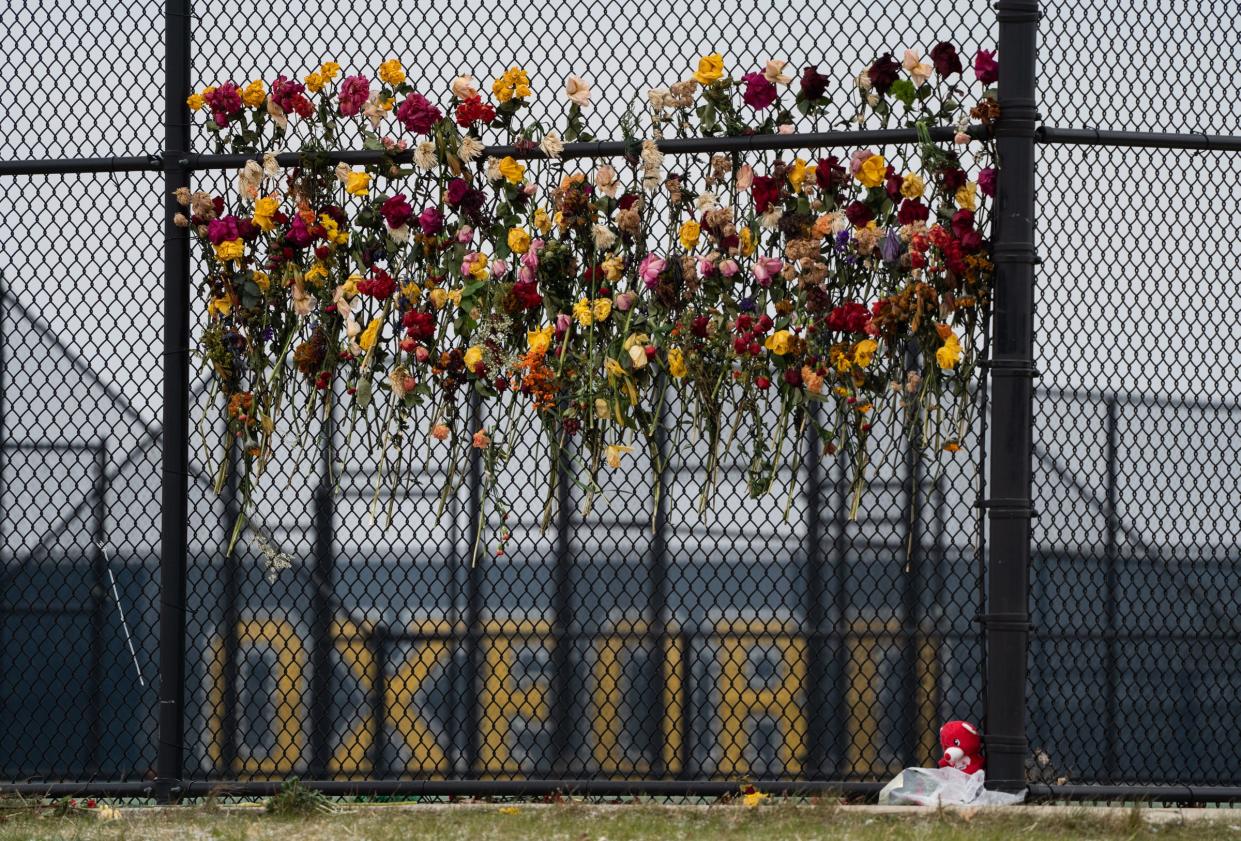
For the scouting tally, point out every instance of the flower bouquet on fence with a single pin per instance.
(765, 296)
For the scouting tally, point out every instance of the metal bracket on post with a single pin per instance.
(174, 442)
(1010, 509)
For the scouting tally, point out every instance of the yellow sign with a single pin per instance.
(760, 675)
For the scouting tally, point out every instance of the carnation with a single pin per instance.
(396, 211)
(759, 92)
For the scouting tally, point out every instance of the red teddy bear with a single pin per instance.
(962, 744)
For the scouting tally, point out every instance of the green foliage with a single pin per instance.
(295, 800)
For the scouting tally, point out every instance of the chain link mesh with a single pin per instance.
(749, 646)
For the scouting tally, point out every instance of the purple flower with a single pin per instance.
(759, 93)
(417, 114)
(222, 229)
(985, 67)
(986, 181)
(431, 221)
(944, 57)
(890, 246)
(298, 235)
(746, 304)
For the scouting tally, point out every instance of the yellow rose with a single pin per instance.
(350, 287)
(195, 101)
(745, 238)
(480, 269)
(438, 298)
(689, 233)
(455, 297)
(518, 240)
(583, 313)
(264, 209)
(220, 306)
(779, 342)
(797, 174)
(367, 340)
(912, 186)
(676, 363)
(872, 171)
(473, 356)
(966, 197)
(411, 291)
(613, 267)
(391, 72)
(228, 250)
(637, 357)
(542, 221)
(512, 170)
(254, 94)
(262, 280)
(710, 69)
(635, 340)
(315, 81)
(540, 340)
(602, 308)
(358, 183)
(330, 69)
(865, 352)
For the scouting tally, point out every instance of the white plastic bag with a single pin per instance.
(943, 787)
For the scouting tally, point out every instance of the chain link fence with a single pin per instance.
(802, 648)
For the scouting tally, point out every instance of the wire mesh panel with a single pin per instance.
(80, 473)
(1136, 566)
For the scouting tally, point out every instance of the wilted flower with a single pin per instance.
(577, 91)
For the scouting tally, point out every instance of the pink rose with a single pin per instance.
(766, 268)
(857, 159)
(650, 269)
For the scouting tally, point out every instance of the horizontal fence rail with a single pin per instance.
(620, 148)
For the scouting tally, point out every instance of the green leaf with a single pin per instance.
(904, 90)
(362, 395)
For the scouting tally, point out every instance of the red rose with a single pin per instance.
(858, 214)
(766, 191)
(381, 286)
(944, 57)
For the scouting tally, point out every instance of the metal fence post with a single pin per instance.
(324, 583)
(1012, 371)
(174, 442)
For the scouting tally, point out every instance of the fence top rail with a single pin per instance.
(618, 148)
